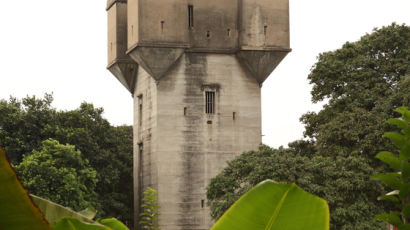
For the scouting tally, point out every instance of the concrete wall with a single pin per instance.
(264, 24)
(145, 133)
(117, 31)
(218, 25)
(133, 22)
(185, 150)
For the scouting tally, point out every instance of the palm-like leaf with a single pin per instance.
(275, 206)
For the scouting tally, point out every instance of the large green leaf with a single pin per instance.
(74, 224)
(275, 206)
(114, 224)
(389, 158)
(54, 212)
(17, 211)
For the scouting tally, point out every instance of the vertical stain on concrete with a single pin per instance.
(193, 145)
(256, 30)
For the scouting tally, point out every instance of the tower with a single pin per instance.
(195, 69)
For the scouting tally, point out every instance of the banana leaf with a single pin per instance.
(17, 210)
(276, 206)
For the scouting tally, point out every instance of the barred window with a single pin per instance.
(210, 102)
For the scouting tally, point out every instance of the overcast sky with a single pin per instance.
(60, 46)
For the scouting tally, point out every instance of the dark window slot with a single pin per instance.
(162, 26)
(140, 111)
(202, 203)
(190, 16)
(185, 110)
(233, 115)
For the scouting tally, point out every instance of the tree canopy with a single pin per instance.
(59, 173)
(361, 83)
(26, 123)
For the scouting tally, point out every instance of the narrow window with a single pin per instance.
(210, 102)
(265, 29)
(229, 32)
(190, 16)
(233, 115)
(132, 31)
(140, 170)
(208, 34)
(162, 26)
(185, 110)
(140, 110)
(202, 203)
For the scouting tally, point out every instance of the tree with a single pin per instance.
(59, 173)
(342, 181)
(25, 123)
(362, 83)
(149, 217)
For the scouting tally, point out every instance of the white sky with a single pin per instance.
(60, 47)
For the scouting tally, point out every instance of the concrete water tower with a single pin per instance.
(195, 70)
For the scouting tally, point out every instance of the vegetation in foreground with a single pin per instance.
(91, 160)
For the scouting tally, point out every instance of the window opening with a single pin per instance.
(229, 32)
(162, 26)
(208, 34)
(132, 31)
(210, 102)
(233, 115)
(140, 110)
(190, 16)
(140, 171)
(185, 110)
(265, 28)
(202, 203)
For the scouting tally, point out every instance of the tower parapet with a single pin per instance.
(119, 63)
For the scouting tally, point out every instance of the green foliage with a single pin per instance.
(399, 180)
(270, 205)
(149, 217)
(362, 83)
(342, 181)
(59, 173)
(53, 212)
(17, 211)
(26, 123)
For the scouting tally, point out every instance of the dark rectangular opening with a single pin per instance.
(185, 110)
(140, 173)
(140, 110)
(202, 203)
(190, 16)
(233, 115)
(210, 102)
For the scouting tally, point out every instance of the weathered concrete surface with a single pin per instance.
(183, 152)
(120, 64)
(231, 48)
(260, 64)
(156, 61)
